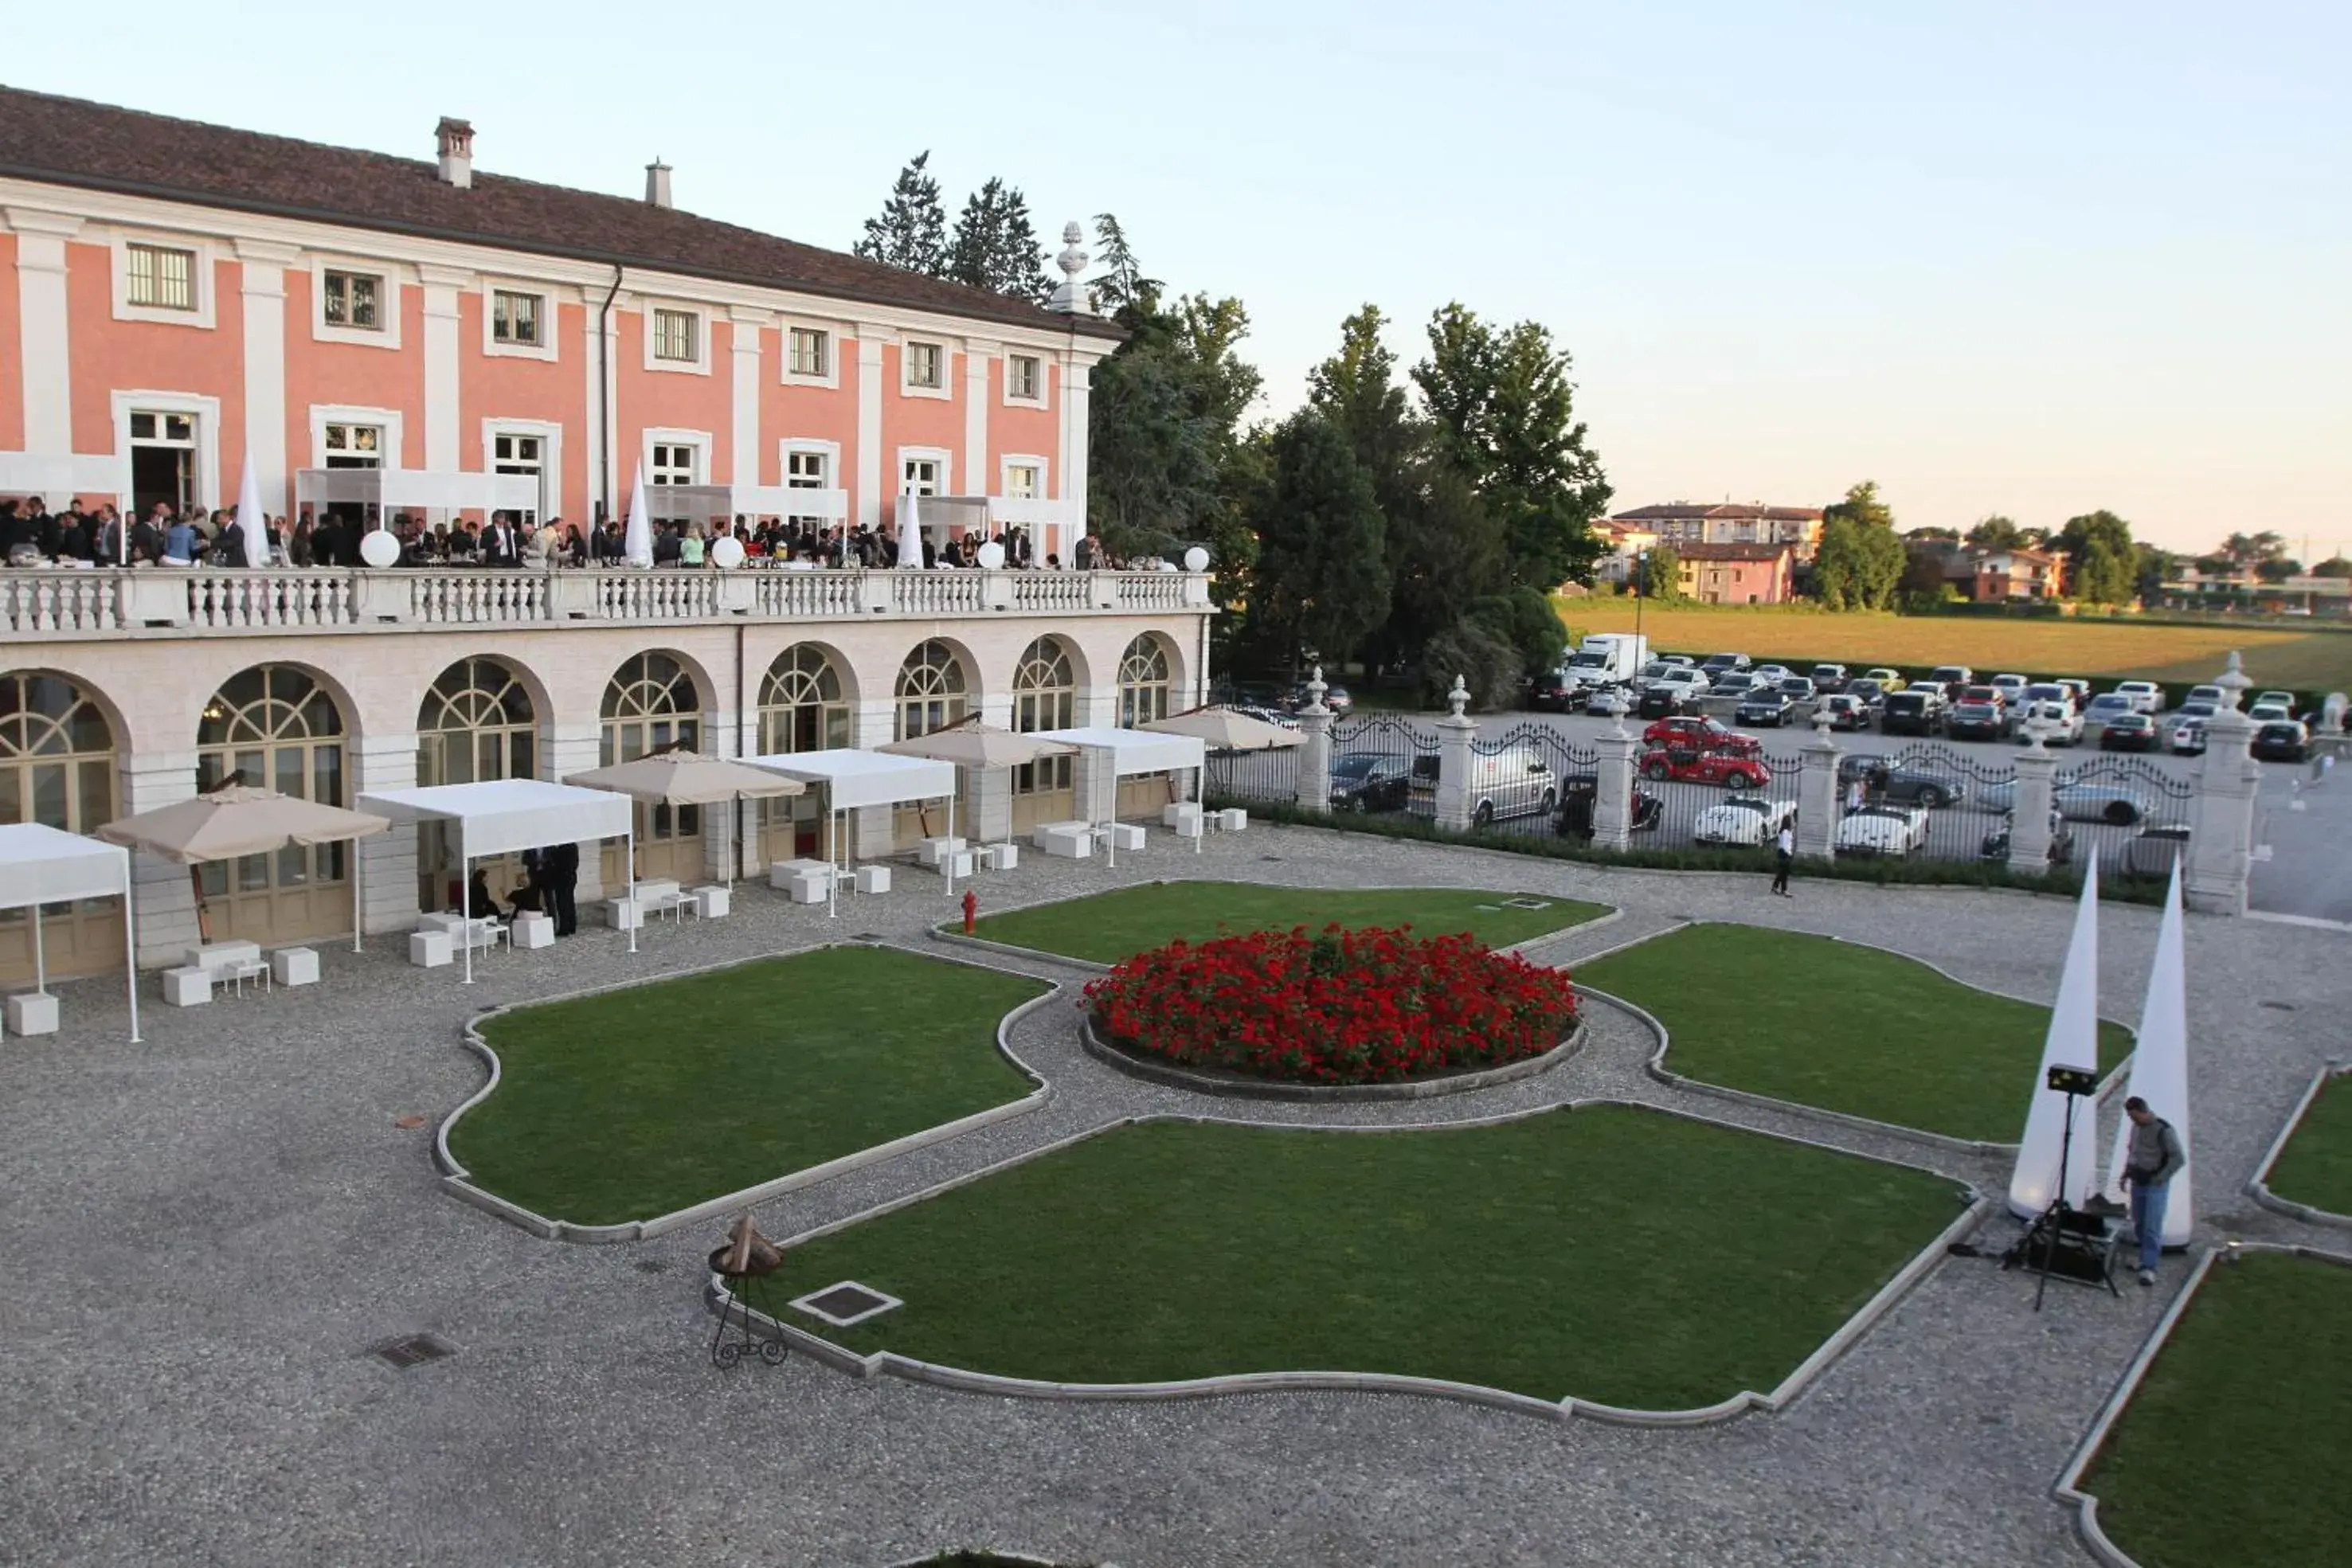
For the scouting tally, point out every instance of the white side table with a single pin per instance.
(294, 966)
(32, 1012)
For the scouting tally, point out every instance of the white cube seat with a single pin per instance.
(189, 986)
(1037, 834)
(430, 949)
(1183, 816)
(874, 879)
(808, 886)
(958, 864)
(221, 954)
(1125, 836)
(295, 966)
(781, 873)
(1233, 819)
(442, 920)
(531, 931)
(1067, 840)
(1001, 857)
(32, 1012)
(623, 914)
(930, 852)
(712, 900)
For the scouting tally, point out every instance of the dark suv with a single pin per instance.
(1914, 710)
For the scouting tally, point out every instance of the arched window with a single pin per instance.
(930, 693)
(650, 706)
(801, 705)
(1143, 682)
(477, 723)
(57, 767)
(274, 727)
(1044, 697)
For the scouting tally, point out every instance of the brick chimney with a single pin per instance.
(455, 137)
(657, 185)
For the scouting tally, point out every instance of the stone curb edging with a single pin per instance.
(2068, 1488)
(2259, 1188)
(1656, 1068)
(456, 1181)
(1171, 1077)
(1977, 1206)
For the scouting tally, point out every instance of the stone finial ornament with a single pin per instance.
(1459, 697)
(1071, 296)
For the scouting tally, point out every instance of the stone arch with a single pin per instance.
(1148, 683)
(937, 684)
(62, 746)
(284, 726)
(657, 700)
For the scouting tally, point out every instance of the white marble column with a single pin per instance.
(45, 359)
(868, 503)
(977, 479)
(387, 860)
(747, 327)
(262, 268)
(165, 897)
(442, 285)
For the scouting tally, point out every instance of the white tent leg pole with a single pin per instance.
(1200, 803)
(130, 952)
(727, 838)
(356, 875)
(40, 958)
(465, 872)
(832, 885)
(950, 853)
(629, 884)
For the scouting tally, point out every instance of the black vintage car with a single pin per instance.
(1367, 782)
(1578, 792)
(1901, 783)
(2062, 841)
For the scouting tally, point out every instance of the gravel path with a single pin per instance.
(206, 1232)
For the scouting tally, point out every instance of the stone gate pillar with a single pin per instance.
(1818, 806)
(1613, 797)
(2028, 819)
(1454, 734)
(2220, 854)
(1314, 784)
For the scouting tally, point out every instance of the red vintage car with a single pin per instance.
(1693, 734)
(1689, 765)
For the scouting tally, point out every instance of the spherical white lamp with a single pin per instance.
(1196, 559)
(726, 554)
(379, 548)
(991, 557)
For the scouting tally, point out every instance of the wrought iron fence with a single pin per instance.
(1530, 780)
(1923, 801)
(1271, 775)
(2131, 812)
(1372, 761)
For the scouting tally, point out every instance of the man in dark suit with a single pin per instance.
(498, 545)
(558, 870)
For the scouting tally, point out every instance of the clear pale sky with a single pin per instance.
(2034, 258)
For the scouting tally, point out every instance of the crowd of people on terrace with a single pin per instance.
(33, 536)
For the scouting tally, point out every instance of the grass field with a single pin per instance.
(1109, 927)
(2315, 1166)
(2233, 1448)
(2095, 649)
(1845, 1027)
(1527, 1256)
(640, 1102)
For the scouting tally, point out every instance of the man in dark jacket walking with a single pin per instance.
(2156, 1157)
(559, 872)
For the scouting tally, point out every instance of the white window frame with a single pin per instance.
(945, 391)
(834, 338)
(1006, 463)
(828, 450)
(1044, 379)
(550, 460)
(697, 366)
(545, 348)
(207, 413)
(207, 283)
(665, 435)
(323, 415)
(938, 454)
(388, 303)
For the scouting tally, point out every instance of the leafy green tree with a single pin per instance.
(1121, 283)
(1862, 505)
(1995, 532)
(1859, 565)
(1932, 536)
(2334, 566)
(2102, 562)
(1322, 568)
(996, 247)
(1505, 411)
(1525, 618)
(1488, 664)
(2244, 550)
(911, 231)
(1446, 553)
(2153, 568)
(1661, 574)
(1166, 465)
(2279, 570)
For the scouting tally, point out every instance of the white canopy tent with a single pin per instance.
(854, 780)
(1132, 751)
(40, 864)
(501, 815)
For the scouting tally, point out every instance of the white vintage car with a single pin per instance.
(1885, 830)
(1742, 820)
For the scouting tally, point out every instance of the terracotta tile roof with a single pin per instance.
(1683, 511)
(101, 147)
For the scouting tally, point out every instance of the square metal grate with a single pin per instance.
(845, 1304)
(1526, 904)
(412, 1350)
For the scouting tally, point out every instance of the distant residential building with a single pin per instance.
(2000, 576)
(1679, 523)
(1736, 574)
(1619, 544)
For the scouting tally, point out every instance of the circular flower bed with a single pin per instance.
(1369, 1005)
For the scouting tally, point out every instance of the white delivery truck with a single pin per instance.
(1606, 659)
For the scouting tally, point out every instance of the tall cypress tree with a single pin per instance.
(995, 245)
(912, 230)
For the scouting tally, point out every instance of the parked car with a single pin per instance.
(1887, 830)
(2210, 696)
(2083, 801)
(1953, 678)
(1724, 663)
(1364, 782)
(1829, 678)
(1553, 692)
(2059, 723)
(1866, 691)
(2270, 712)
(1735, 684)
(2108, 706)
(1773, 674)
(2062, 841)
(2146, 697)
(1798, 689)
(1974, 721)
(1684, 659)
(2195, 710)
(1701, 734)
(2283, 699)
(2049, 692)
(1888, 680)
(1764, 704)
(2011, 687)
(1686, 679)
(2079, 688)
(1340, 700)
(1743, 819)
(1661, 698)
(1886, 778)
(1512, 782)
(2188, 738)
(1847, 711)
(1577, 792)
(2152, 853)
(2281, 741)
(1608, 702)
(2129, 732)
(1689, 765)
(1916, 710)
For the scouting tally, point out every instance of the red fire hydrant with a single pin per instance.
(970, 910)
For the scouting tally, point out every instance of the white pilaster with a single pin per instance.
(387, 860)
(1076, 383)
(977, 478)
(608, 467)
(164, 893)
(868, 500)
(41, 323)
(575, 749)
(749, 326)
(262, 268)
(441, 288)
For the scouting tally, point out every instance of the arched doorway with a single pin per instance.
(651, 704)
(476, 723)
(274, 728)
(932, 693)
(1044, 697)
(56, 767)
(1146, 684)
(801, 708)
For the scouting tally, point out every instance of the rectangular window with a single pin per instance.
(1023, 377)
(514, 319)
(1021, 481)
(352, 299)
(920, 476)
(674, 462)
(354, 445)
(926, 366)
(674, 335)
(805, 470)
(523, 455)
(163, 277)
(811, 351)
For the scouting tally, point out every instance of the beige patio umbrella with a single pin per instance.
(972, 743)
(1226, 730)
(688, 778)
(237, 819)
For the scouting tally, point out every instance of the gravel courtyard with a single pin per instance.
(205, 1234)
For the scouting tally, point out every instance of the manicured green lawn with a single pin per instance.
(1618, 1254)
(2233, 1448)
(1844, 1028)
(639, 1102)
(1109, 927)
(2315, 1166)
